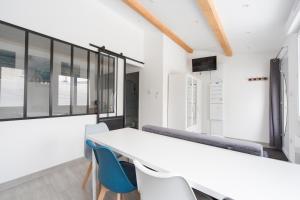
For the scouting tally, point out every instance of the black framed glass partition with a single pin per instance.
(111, 75)
(12, 55)
(112, 88)
(41, 76)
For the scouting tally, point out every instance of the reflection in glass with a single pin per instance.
(38, 76)
(61, 81)
(64, 83)
(111, 85)
(93, 83)
(12, 54)
(104, 85)
(107, 84)
(79, 98)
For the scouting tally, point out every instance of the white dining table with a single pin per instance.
(215, 171)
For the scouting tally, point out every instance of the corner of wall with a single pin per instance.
(151, 78)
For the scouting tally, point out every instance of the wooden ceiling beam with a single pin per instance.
(209, 11)
(139, 8)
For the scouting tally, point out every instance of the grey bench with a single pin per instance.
(221, 142)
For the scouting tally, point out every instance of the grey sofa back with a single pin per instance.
(221, 142)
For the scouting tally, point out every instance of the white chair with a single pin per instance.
(161, 186)
(89, 130)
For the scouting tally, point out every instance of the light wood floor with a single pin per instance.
(61, 184)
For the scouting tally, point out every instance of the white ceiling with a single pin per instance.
(251, 25)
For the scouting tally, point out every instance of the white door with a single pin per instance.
(284, 105)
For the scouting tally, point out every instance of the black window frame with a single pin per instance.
(89, 51)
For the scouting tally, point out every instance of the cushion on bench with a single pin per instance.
(221, 142)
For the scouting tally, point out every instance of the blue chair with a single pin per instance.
(116, 176)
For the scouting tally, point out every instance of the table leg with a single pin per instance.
(94, 177)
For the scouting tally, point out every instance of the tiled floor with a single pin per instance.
(61, 184)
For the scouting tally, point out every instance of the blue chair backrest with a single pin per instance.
(111, 173)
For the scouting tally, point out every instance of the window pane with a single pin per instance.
(111, 85)
(80, 81)
(119, 86)
(61, 81)
(12, 53)
(107, 87)
(93, 82)
(104, 84)
(38, 76)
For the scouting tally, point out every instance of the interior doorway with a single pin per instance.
(132, 97)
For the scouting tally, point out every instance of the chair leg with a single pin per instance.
(103, 191)
(87, 175)
(98, 188)
(138, 194)
(119, 196)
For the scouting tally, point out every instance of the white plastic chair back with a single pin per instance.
(161, 186)
(93, 129)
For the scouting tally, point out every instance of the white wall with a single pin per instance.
(151, 78)
(174, 61)
(245, 103)
(28, 146)
(162, 57)
(80, 22)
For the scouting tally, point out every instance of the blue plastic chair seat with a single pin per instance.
(117, 176)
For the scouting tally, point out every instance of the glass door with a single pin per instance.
(110, 90)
